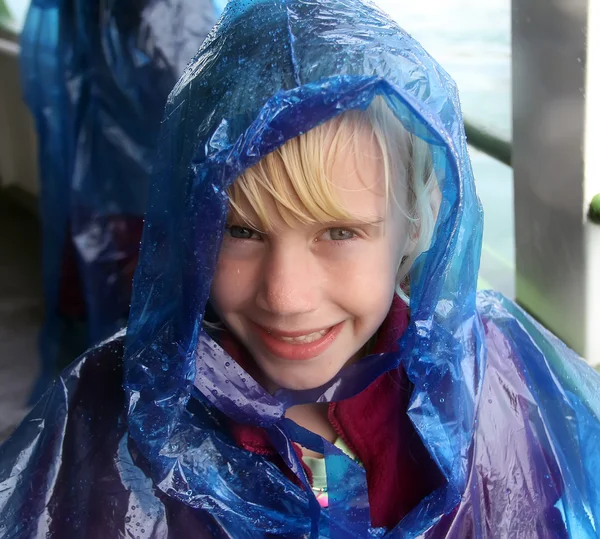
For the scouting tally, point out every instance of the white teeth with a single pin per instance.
(311, 337)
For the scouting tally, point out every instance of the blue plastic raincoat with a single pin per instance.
(96, 76)
(133, 439)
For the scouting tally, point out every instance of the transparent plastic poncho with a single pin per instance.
(508, 413)
(96, 75)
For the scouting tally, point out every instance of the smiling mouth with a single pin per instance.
(302, 339)
(298, 345)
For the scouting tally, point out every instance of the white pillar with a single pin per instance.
(556, 160)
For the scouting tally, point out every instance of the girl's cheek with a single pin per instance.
(232, 249)
(361, 264)
(234, 281)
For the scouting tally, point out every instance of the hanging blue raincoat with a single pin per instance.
(96, 76)
(133, 439)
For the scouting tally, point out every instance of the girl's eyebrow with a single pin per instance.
(358, 223)
(234, 220)
(374, 222)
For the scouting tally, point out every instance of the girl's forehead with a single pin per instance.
(356, 165)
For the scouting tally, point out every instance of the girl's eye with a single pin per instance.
(339, 234)
(242, 232)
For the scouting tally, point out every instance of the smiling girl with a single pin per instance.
(307, 354)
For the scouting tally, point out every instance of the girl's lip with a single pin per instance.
(296, 350)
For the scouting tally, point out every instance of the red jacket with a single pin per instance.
(375, 426)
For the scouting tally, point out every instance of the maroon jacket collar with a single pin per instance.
(375, 426)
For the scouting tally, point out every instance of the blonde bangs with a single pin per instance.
(295, 179)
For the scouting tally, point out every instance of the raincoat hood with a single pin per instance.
(270, 71)
(508, 414)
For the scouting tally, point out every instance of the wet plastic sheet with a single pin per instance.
(508, 413)
(96, 76)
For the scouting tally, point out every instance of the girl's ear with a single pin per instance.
(415, 228)
(434, 195)
(435, 201)
(412, 242)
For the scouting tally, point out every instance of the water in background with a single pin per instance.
(17, 10)
(471, 39)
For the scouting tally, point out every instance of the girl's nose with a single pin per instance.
(289, 282)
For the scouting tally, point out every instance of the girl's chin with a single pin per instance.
(294, 382)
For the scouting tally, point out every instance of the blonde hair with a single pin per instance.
(296, 177)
